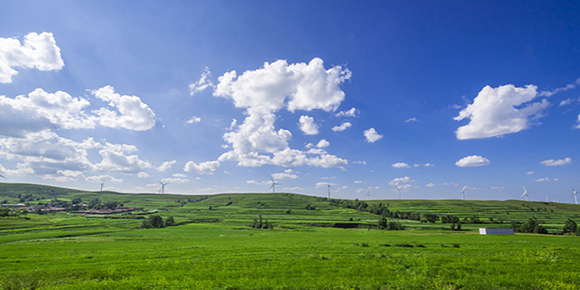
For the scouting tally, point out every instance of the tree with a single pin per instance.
(169, 221)
(77, 200)
(430, 217)
(153, 221)
(570, 227)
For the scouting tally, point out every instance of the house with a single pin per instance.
(490, 231)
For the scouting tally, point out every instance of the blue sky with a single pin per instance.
(220, 96)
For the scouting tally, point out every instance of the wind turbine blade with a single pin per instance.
(2, 176)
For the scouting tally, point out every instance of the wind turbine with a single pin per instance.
(2, 176)
(328, 190)
(575, 194)
(102, 184)
(274, 183)
(463, 192)
(368, 195)
(526, 194)
(399, 191)
(163, 186)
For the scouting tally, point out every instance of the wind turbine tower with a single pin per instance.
(526, 193)
(102, 184)
(463, 192)
(163, 186)
(575, 194)
(399, 191)
(328, 190)
(274, 183)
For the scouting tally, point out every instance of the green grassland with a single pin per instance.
(212, 247)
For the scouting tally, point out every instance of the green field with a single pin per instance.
(212, 247)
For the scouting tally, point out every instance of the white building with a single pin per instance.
(488, 231)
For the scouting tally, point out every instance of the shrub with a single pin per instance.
(260, 223)
(310, 207)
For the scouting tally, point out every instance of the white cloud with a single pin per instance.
(174, 180)
(256, 182)
(530, 173)
(414, 119)
(143, 175)
(567, 87)
(296, 188)
(578, 121)
(265, 91)
(400, 180)
(104, 178)
(180, 175)
(472, 161)
(349, 113)
(363, 162)
(499, 111)
(133, 114)
(372, 136)
(400, 165)
(359, 182)
(208, 167)
(37, 51)
(342, 127)
(430, 185)
(114, 161)
(202, 84)
(287, 174)
(193, 120)
(323, 144)
(500, 188)
(544, 179)
(324, 184)
(166, 165)
(308, 126)
(566, 102)
(558, 162)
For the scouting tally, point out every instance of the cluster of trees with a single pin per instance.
(260, 223)
(530, 226)
(453, 220)
(384, 224)
(353, 204)
(155, 221)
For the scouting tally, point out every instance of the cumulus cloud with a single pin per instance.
(400, 165)
(37, 51)
(265, 91)
(400, 180)
(499, 111)
(342, 127)
(287, 174)
(430, 185)
(104, 178)
(308, 126)
(557, 162)
(323, 144)
(349, 113)
(578, 123)
(372, 136)
(40, 110)
(208, 167)
(143, 175)
(472, 161)
(166, 165)
(130, 112)
(414, 119)
(202, 84)
(114, 161)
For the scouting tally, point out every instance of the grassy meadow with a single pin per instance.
(212, 246)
